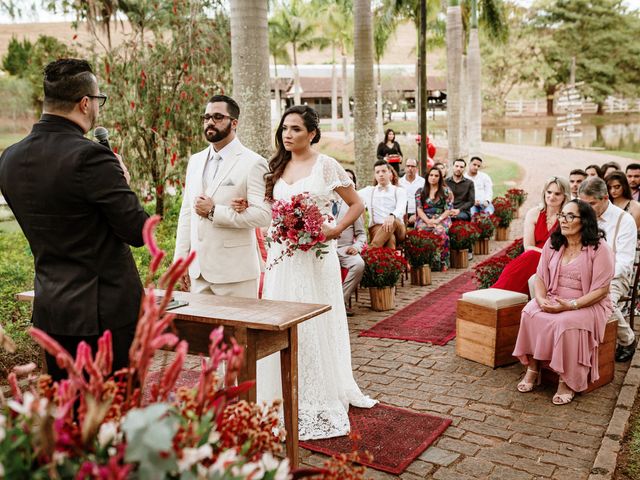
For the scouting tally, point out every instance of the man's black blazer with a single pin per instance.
(72, 202)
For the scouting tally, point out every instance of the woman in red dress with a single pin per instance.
(539, 222)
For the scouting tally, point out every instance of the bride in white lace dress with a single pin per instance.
(325, 380)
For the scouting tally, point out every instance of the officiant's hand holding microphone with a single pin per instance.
(101, 134)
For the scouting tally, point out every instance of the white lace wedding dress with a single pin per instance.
(325, 380)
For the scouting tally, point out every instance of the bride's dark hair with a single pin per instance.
(279, 161)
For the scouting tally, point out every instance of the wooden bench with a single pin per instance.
(606, 360)
(487, 323)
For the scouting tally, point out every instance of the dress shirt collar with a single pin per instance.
(380, 188)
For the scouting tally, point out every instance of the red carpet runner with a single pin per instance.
(393, 436)
(432, 319)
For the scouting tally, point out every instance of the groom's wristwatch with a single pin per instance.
(211, 212)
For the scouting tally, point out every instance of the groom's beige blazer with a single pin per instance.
(226, 250)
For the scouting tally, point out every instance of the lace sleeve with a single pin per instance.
(334, 175)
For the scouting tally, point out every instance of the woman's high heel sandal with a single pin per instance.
(563, 398)
(524, 387)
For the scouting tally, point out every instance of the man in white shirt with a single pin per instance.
(622, 236)
(386, 204)
(576, 177)
(483, 187)
(411, 182)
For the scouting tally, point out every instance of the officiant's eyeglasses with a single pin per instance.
(216, 117)
(101, 97)
(569, 217)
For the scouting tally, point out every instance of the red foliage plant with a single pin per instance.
(503, 210)
(463, 234)
(421, 246)
(486, 224)
(383, 267)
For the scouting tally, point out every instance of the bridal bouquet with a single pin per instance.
(297, 224)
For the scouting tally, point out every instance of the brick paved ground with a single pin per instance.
(497, 432)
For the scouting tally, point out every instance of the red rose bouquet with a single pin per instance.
(297, 224)
(503, 210)
(462, 235)
(421, 246)
(487, 273)
(382, 267)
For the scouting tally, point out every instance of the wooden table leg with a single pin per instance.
(247, 339)
(289, 372)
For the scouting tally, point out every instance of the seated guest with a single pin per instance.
(411, 182)
(434, 211)
(389, 150)
(576, 177)
(633, 176)
(387, 205)
(620, 194)
(350, 244)
(594, 171)
(483, 187)
(608, 168)
(565, 322)
(539, 223)
(621, 235)
(464, 196)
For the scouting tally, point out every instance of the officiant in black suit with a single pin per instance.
(72, 200)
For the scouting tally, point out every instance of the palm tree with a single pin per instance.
(293, 22)
(250, 67)
(364, 92)
(279, 53)
(384, 25)
(454, 78)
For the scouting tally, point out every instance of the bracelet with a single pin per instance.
(574, 304)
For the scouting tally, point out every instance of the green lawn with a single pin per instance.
(621, 153)
(7, 139)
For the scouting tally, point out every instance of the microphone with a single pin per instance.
(102, 135)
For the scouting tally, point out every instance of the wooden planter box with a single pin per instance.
(382, 298)
(516, 212)
(487, 323)
(606, 360)
(459, 258)
(502, 234)
(481, 247)
(421, 275)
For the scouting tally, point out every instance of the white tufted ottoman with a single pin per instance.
(487, 324)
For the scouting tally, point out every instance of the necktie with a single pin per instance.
(211, 169)
(335, 209)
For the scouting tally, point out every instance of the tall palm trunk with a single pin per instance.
(277, 89)
(454, 78)
(250, 66)
(379, 112)
(474, 68)
(465, 106)
(364, 90)
(296, 78)
(334, 90)
(346, 110)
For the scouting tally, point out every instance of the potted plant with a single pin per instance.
(462, 236)
(420, 248)
(504, 212)
(516, 196)
(487, 273)
(382, 269)
(486, 225)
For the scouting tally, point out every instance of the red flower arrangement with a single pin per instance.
(420, 246)
(516, 248)
(487, 273)
(503, 210)
(486, 224)
(297, 224)
(463, 234)
(516, 196)
(382, 267)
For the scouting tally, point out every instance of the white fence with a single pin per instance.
(532, 108)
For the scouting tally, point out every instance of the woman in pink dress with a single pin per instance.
(539, 222)
(565, 322)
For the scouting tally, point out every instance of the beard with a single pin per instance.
(212, 134)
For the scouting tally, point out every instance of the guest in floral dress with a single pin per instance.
(433, 210)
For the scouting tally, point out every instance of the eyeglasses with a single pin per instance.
(411, 166)
(216, 117)
(101, 97)
(569, 217)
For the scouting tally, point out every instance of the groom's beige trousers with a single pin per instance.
(246, 289)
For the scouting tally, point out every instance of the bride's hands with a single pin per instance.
(239, 205)
(329, 232)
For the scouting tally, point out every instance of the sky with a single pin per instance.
(41, 15)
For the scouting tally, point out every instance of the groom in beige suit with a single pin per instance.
(227, 261)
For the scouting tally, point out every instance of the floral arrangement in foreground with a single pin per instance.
(297, 224)
(382, 267)
(94, 425)
(503, 211)
(486, 224)
(462, 235)
(516, 196)
(516, 248)
(487, 273)
(421, 246)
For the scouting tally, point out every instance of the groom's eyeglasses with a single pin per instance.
(216, 117)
